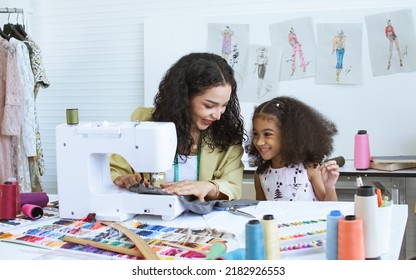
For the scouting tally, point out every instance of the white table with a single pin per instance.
(221, 220)
(396, 182)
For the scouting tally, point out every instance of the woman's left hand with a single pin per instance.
(330, 173)
(200, 189)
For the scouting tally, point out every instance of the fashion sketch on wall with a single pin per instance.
(231, 41)
(297, 39)
(339, 53)
(261, 78)
(391, 42)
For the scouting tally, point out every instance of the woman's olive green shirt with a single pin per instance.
(225, 168)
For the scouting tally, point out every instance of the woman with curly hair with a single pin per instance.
(198, 94)
(289, 141)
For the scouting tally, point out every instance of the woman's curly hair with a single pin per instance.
(192, 75)
(306, 134)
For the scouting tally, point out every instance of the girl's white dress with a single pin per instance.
(287, 183)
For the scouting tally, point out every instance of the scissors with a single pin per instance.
(234, 211)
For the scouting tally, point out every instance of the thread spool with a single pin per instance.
(237, 254)
(72, 116)
(8, 208)
(271, 237)
(351, 238)
(255, 241)
(38, 198)
(340, 160)
(332, 221)
(32, 211)
(217, 249)
(366, 208)
(15, 183)
(361, 150)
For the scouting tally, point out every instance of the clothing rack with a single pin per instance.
(11, 11)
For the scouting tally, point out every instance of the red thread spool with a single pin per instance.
(8, 207)
(351, 238)
(15, 183)
(32, 211)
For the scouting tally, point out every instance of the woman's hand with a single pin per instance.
(330, 173)
(200, 189)
(125, 181)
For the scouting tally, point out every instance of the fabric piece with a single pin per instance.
(38, 69)
(12, 116)
(192, 204)
(5, 140)
(24, 144)
(37, 162)
(28, 106)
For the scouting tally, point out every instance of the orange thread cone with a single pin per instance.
(351, 238)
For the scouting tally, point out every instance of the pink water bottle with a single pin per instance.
(361, 151)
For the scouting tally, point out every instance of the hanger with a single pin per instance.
(21, 28)
(16, 34)
(11, 31)
(6, 26)
(4, 35)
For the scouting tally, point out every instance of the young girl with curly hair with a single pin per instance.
(289, 142)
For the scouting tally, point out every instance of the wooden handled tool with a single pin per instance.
(103, 246)
(141, 245)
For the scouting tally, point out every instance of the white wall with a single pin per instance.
(381, 104)
(93, 52)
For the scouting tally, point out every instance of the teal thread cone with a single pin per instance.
(332, 234)
(255, 241)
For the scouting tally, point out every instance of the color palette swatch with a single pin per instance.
(50, 236)
(302, 237)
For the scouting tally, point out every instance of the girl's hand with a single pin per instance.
(330, 173)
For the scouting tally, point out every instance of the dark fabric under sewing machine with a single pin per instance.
(191, 203)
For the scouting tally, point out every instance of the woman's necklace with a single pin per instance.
(195, 146)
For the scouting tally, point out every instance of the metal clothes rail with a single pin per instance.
(11, 10)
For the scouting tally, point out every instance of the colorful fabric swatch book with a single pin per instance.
(296, 237)
(50, 236)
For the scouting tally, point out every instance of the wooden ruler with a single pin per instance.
(143, 247)
(103, 246)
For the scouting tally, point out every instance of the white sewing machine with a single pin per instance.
(83, 171)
